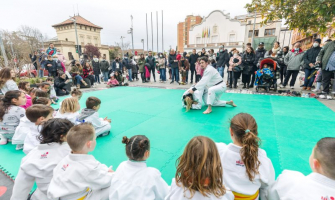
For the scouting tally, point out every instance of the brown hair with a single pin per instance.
(76, 92)
(6, 101)
(199, 168)
(79, 135)
(5, 75)
(50, 79)
(36, 111)
(324, 152)
(44, 84)
(22, 85)
(41, 100)
(136, 146)
(54, 130)
(92, 101)
(70, 105)
(244, 127)
(188, 101)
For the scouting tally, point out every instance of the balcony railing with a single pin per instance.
(226, 44)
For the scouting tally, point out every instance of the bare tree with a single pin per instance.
(126, 45)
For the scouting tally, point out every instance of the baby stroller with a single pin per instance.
(266, 76)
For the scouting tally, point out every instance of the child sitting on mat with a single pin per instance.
(76, 93)
(247, 170)
(112, 82)
(320, 184)
(11, 113)
(90, 114)
(133, 179)
(38, 114)
(199, 173)
(69, 110)
(38, 165)
(79, 175)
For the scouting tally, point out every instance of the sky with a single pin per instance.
(114, 16)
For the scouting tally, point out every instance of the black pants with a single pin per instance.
(193, 73)
(282, 73)
(186, 76)
(294, 74)
(236, 76)
(152, 70)
(134, 76)
(61, 92)
(52, 74)
(230, 78)
(197, 78)
(246, 78)
(91, 78)
(143, 77)
(253, 75)
(326, 77)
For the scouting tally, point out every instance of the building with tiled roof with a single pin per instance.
(87, 32)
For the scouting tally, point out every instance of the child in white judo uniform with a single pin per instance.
(90, 114)
(212, 87)
(192, 101)
(37, 114)
(199, 173)
(320, 184)
(247, 170)
(38, 165)
(133, 179)
(74, 93)
(25, 124)
(69, 110)
(79, 175)
(11, 113)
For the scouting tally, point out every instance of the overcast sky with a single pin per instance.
(113, 16)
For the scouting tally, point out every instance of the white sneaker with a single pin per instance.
(292, 87)
(315, 90)
(3, 140)
(329, 97)
(322, 96)
(281, 86)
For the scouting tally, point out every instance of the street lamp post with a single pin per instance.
(253, 31)
(122, 46)
(142, 40)
(132, 35)
(75, 28)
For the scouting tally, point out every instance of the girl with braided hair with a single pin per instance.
(133, 179)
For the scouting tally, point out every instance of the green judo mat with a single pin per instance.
(289, 127)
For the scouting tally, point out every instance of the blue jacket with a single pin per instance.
(114, 66)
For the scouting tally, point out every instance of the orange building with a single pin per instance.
(307, 41)
(183, 30)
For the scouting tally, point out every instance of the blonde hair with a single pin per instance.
(69, 105)
(199, 168)
(188, 103)
(79, 135)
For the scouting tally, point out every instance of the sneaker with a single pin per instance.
(292, 87)
(3, 140)
(171, 82)
(104, 134)
(329, 97)
(281, 86)
(322, 96)
(315, 90)
(19, 147)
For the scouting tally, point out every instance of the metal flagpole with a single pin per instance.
(162, 34)
(157, 29)
(146, 19)
(132, 34)
(152, 34)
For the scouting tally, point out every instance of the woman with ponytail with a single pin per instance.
(247, 170)
(133, 179)
(192, 101)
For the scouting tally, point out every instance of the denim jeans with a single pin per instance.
(97, 78)
(163, 74)
(309, 82)
(175, 74)
(220, 70)
(41, 73)
(105, 76)
(130, 75)
(78, 79)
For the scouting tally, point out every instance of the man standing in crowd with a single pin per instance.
(117, 65)
(34, 59)
(259, 54)
(60, 57)
(126, 62)
(327, 59)
(104, 65)
(293, 61)
(152, 61)
(51, 51)
(309, 60)
(174, 66)
(43, 59)
(192, 60)
(223, 60)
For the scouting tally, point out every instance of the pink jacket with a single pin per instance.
(198, 68)
(28, 103)
(231, 62)
(61, 58)
(113, 82)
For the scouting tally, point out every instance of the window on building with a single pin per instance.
(90, 29)
(215, 39)
(198, 40)
(80, 27)
(66, 39)
(96, 45)
(269, 32)
(85, 27)
(95, 29)
(70, 56)
(232, 37)
(250, 33)
(215, 29)
(249, 22)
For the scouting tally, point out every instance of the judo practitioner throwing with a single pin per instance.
(211, 86)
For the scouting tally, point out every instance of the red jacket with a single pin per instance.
(87, 72)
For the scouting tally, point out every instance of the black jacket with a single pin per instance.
(52, 68)
(172, 62)
(96, 67)
(310, 56)
(248, 62)
(193, 59)
(223, 59)
(259, 54)
(59, 83)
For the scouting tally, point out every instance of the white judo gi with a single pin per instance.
(38, 167)
(134, 180)
(177, 193)
(236, 178)
(197, 96)
(292, 185)
(31, 141)
(212, 86)
(11, 120)
(22, 130)
(78, 176)
(73, 117)
(100, 125)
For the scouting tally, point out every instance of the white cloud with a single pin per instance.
(113, 16)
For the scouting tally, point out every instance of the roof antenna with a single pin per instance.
(77, 9)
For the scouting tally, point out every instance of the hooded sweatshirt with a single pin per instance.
(86, 112)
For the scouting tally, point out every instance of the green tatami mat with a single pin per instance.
(289, 127)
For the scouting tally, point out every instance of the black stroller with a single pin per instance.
(266, 77)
